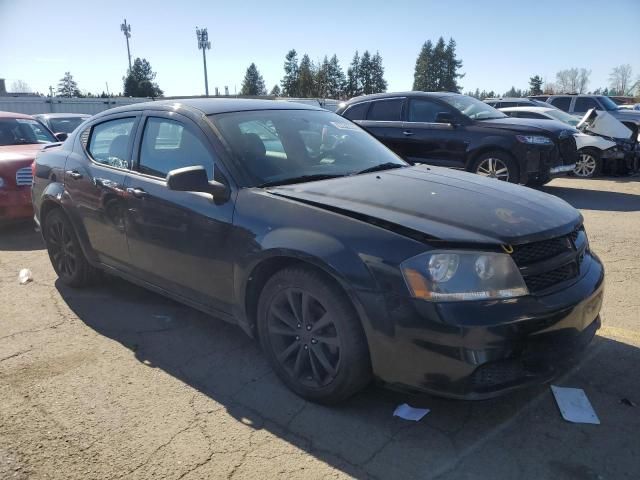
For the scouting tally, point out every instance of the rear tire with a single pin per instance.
(589, 164)
(65, 253)
(312, 336)
(497, 164)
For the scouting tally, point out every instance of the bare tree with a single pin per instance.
(620, 79)
(583, 80)
(20, 86)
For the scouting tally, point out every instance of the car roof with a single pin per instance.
(212, 106)
(63, 115)
(374, 96)
(15, 115)
(528, 108)
(509, 99)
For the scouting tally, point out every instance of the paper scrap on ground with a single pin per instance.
(574, 405)
(25, 276)
(409, 413)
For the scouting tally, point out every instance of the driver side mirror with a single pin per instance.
(61, 136)
(445, 117)
(195, 179)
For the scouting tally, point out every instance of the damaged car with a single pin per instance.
(346, 263)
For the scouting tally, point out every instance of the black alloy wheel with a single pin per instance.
(64, 250)
(312, 336)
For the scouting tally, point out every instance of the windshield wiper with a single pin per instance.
(301, 179)
(382, 166)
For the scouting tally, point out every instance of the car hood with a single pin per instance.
(13, 157)
(528, 125)
(442, 205)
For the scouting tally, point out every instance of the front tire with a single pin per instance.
(312, 336)
(65, 252)
(496, 164)
(589, 164)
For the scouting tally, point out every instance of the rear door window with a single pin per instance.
(563, 103)
(109, 142)
(386, 110)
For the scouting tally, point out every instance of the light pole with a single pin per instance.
(204, 44)
(126, 29)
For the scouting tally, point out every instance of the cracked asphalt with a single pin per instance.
(115, 382)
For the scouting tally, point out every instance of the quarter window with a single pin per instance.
(563, 103)
(109, 142)
(585, 103)
(357, 112)
(167, 145)
(386, 110)
(424, 111)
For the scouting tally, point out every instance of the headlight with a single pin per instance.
(534, 139)
(446, 276)
(1, 182)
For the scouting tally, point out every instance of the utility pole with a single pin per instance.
(204, 44)
(126, 29)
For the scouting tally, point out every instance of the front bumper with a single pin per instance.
(15, 203)
(480, 349)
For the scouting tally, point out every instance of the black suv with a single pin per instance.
(454, 130)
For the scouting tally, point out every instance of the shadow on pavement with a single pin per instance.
(596, 199)
(20, 237)
(517, 436)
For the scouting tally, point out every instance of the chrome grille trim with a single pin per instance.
(24, 176)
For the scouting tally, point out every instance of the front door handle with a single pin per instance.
(137, 192)
(407, 133)
(74, 174)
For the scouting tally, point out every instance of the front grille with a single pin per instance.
(24, 176)
(542, 281)
(568, 149)
(554, 257)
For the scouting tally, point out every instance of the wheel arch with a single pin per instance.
(473, 156)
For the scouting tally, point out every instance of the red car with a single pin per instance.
(21, 137)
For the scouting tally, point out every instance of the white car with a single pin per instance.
(595, 141)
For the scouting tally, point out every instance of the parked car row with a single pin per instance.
(344, 261)
(21, 137)
(603, 142)
(459, 131)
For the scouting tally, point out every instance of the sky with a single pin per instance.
(501, 43)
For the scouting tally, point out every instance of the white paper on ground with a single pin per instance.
(409, 413)
(574, 405)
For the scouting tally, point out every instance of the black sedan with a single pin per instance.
(453, 130)
(344, 261)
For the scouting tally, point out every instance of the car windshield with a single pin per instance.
(292, 146)
(563, 117)
(66, 125)
(472, 108)
(23, 131)
(608, 104)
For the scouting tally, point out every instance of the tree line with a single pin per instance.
(325, 79)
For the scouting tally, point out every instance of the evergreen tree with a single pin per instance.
(336, 81)
(306, 85)
(253, 83)
(451, 66)
(535, 85)
(354, 85)
(139, 81)
(291, 74)
(423, 64)
(321, 76)
(275, 91)
(365, 72)
(436, 82)
(379, 84)
(67, 86)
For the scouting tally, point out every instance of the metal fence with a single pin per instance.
(35, 104)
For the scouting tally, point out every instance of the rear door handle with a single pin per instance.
(137, 192)
(74, 174)
(407, 133)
